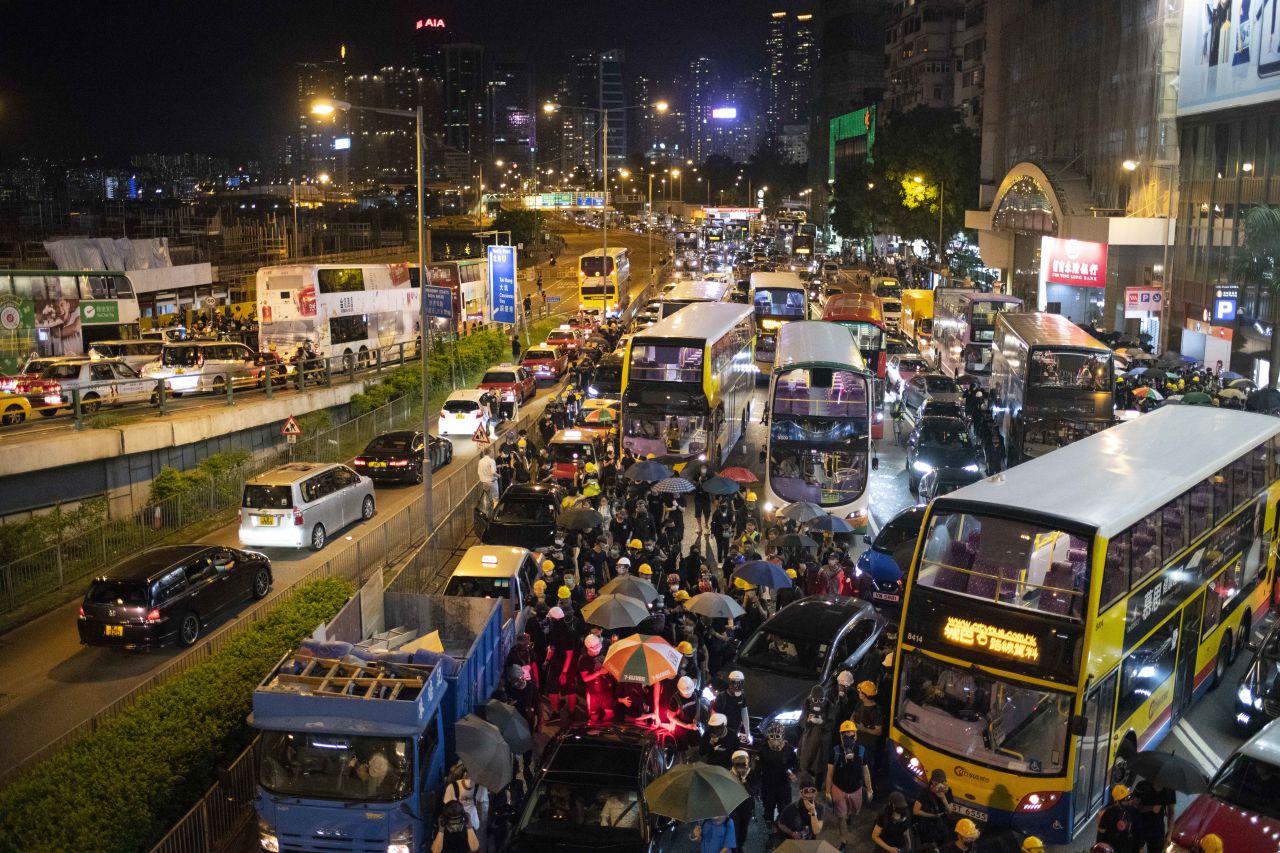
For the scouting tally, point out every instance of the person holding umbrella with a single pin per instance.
(1155, 815)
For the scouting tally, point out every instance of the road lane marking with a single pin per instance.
(1202, 755)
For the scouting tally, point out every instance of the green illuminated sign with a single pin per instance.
(852, 125)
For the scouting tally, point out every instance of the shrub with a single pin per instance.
(45, 530)
(123, 786)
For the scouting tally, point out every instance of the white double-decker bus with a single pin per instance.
(349, 310)
(819, 422)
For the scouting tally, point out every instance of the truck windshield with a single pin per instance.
(356, 768)
(981, 718)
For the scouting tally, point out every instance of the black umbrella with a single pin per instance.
(1263, 400)
(514, 728)
(720, 486)
(648, 471)
(693, 469)
(580, 518)
(1169, 771)
(482, 748)
(796, 540)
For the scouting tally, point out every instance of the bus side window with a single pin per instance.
(1115, 569)
(1174, 528)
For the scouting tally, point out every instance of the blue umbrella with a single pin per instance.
(829, 524)
(648, 471)
(720, 486)
(763, 573)
(1229, 375)
(1138, 371)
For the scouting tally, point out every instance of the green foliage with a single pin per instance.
(48, 529)
(524, 225)
(123, 786)
(314, 422)
(219, 471)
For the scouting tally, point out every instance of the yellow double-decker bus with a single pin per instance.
(603, 276)
(1062, 615)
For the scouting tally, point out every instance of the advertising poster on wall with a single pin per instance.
(1230, 54)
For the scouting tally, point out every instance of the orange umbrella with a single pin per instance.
(642, 659)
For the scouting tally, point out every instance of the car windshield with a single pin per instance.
(359, 768)
(802, 657)
(498, 377)
(467, 586)
(119, 593)
(978, 717)
(525, 511)
(1090, 371)
(460, 407)
(389, 443)
(913, 365)
(946, 432)
(540, 355)
(942, 409)
(37, 365)
(1249, 784)
(267, 497)
(179, 356)
(891, 306)
(940, 385)
(827, 476)
(585, 810)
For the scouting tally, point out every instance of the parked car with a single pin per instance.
(807, 642)
(929, 386)
(169, 594)
(941, 409)
(300, 504)
(903, 367)
(545, 362)
(462, 414)
(399, 456)
(1258, 695)
(566, 336)
(19, 382)
(135, 353)
(509, 379)
(14, 408)
(606, 378)
(1241, 806)
(100, 382)
(937, 443)
(198, 366)
(883, 566)
(525, 515)
(584, 767)
(568, 447)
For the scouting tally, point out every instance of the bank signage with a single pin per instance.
(1075, 262)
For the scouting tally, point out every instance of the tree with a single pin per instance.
(859, 203)
(1258, 265)
(524, 225)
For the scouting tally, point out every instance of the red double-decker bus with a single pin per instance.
(861, 312)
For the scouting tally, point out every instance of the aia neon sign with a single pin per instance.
(430, 24)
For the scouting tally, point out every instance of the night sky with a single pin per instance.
(216, 76)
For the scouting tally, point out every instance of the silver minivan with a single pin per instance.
(302, 504)
(136, 354)
(195, 366)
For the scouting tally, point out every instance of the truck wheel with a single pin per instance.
(189, 629)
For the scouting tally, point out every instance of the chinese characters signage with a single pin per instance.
(502, 283)
(1139, 302)
(997, 641)
(1073, 262)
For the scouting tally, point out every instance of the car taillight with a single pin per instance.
(153, 615)
(358, 462)
(81, 611)
(8, 384)
(200, 360)
(1038, 801)
(297, 518)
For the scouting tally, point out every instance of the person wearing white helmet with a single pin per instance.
(562, 673)
(732, 702)
(718, 743)
(597, 683)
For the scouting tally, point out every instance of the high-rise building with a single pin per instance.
(804, 61)
(380, 148)
(920, 48)
(775, 70)
(791, 58)
(313, 144)
(613, 98)
(512, 111)
(703, 86)
(970, 46)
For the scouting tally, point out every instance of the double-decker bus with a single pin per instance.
(686, 241)
(686, 293)
(820, 413)
(1051, 384)
(687, 383)
(54, 313)
(776, 298)
(964, 325)
(603, 275)
(860, 313)
(1063, 615)
(348, 310)
(802, 243)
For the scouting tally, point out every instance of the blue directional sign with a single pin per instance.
(439, 301)
(502, 284)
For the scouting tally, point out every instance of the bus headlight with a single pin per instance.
(858, 518)
(910, 762)
(1038, 801)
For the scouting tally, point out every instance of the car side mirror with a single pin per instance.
(1079, 725)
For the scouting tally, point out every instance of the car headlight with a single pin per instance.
(922, 466)
(267, 837)
(1245, 695)
(788, 718)
(401, 841)
(972, 468)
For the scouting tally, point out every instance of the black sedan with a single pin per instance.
(808, 642)
(939, 443)
(1258, 696)
(525, 516)
(398, 456)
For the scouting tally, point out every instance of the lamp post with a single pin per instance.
(941, 200)
(1132, 166)
(648, 225)
(329, 107)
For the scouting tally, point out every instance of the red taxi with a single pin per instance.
(545, 361)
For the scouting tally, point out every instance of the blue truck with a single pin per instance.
(357, 722)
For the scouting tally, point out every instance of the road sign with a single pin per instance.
(439, 301)
(502, 284)
(211, 302)
(552, 299)
(480, 436)
(291, 428)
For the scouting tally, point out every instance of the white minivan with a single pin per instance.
(302, 504)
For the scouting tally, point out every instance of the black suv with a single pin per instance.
(169, 594)
(525, 515)
(590, 794)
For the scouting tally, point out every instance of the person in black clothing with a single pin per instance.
(702, 509)
(522, 680)
(932, 810)
(868, 716)
(893, 827)
(722, 527)
(718, 744)
(777, 768)
(802, 820)
(515, 345)
(562, 675)
(642, 523)
(732, 702)
(743, 813)
(689, 566)
(848, 779)
(1155, 814)
(1118, 822)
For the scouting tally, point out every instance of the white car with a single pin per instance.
(462, 413)
(302, 504)
(198, 366)
(100, 381)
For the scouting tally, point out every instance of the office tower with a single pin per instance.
(314, 153)
(703, 85)
(512, 111)
(613, 99)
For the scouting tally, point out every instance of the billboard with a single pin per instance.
(729, 113)
(1142, 302)
(1230, 55)
(502, 283)
(851, 135)
(1074, 262)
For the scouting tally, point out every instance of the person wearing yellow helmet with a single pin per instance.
(1209, 843)
(848, 777)
(967, 834)
(1117, 825)
(868, 716)
(1032, 844)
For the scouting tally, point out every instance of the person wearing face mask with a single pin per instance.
(718, 744)
(848, 778)
(597, 684)
(669, 594)
(777, 770)
(932, 809)
(814, 733)
(682, 712)
(732, 702)
(801, 820)
(868, 716)
(745, 810)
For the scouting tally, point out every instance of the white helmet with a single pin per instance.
(717, 719)
(737, 675)
(685, 685)
(593, 644)
(556, 613)
(845, 678)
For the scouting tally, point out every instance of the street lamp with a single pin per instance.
(941, 198)
(330, 107)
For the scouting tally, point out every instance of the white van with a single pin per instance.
(136, 354)
(302, 504)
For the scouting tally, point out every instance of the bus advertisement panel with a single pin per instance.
(54, 313)
(1049, 632)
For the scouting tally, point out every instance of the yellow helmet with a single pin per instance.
(741, 584)
(635, 543)
(1211, 843)
(539, 586)
(1031, 844)
(547, 565)
(684, 647)
(590, 468)
(1119, 792)
(522, 444)
(563, 592)
(750, 496)
(645, 569)
(682, 595)
(847, 726)
(967, 829)
(791, 573)
(870, 689)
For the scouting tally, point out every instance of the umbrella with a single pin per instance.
(1197, 398)
(1242, 383)
(647, 471)
(1232, 393)
(1169, 771)
(642, 659)
(1144, 391)
(481, 746)
(690, 792)
(714, 605)
(514, 728)
(829, 524)
(719, 486)
(801, 511)
(612, 610)
(693, 469)
(673, 486)
(1264, 400)
(580, 518)
(739, 475)
(763, 573)
(796, 540)
(601, 415)
(630, 586)
(1138, 371)
(1140, 356)
(815, 846)
(1230, 376)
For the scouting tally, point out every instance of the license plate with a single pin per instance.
(179, 370)
(459, 417)
(377, 465)
(113, 630)
(266, 521)
(969, 811)
(886, 596)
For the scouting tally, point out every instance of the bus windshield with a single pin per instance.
(982, 318)
(596, 265)
(658, 362)
(1014, 563)
(815, 434)
(982, 718)
(356, 768)
(780, 302)
(661, 434)
(1087, 371)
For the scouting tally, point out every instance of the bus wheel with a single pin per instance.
(1223, 661)
(1242, 636)
(364, 357)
